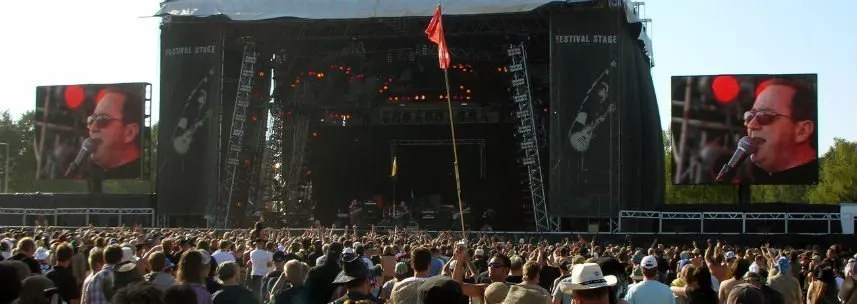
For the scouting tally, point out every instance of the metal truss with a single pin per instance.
(260, 166)
(220, 217)
(526, 129)
(271, 159)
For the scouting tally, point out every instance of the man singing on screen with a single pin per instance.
(784, 117)
(115, 128)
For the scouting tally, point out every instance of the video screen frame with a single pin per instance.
(63, 117)
(710, 114)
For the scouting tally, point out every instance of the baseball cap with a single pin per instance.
(649, 262)
(730, 255)
(783, 264)
(441, 289)
(206, 257)
(402, 268)
(356, 245)
(279, 256)
(745, 294)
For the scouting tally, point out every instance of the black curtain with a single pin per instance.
(189, 123)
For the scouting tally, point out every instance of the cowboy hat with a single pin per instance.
(587, 276)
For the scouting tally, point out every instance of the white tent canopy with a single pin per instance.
(249, 10)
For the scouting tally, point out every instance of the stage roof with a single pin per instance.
(251, 10)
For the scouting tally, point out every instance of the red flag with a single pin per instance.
(435, 34)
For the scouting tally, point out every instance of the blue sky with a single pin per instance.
(104, 41)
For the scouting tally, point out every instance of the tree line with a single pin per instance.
(837, 182)
(837, 179)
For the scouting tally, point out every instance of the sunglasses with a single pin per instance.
(497, 265)
(100, 121)
(762, 117)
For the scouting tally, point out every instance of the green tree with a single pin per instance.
(838, 177)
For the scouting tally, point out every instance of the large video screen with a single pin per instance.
(90, 131)
(745, 129)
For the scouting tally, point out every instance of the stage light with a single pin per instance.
(386, 87)
(468, 98)
(725, 88)
(253, 118)
(74, 96)
(461, 87)
(314, 134)
(311, 73)
(289, 113)
(262, 74)
(468, 91)
(762, 87)
(246, 162)
(423, 97)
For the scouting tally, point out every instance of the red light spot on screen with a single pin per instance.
(725, 88)
(74, 96)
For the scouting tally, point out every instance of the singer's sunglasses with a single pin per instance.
(497, 265)
(762, 117)
(100, 121)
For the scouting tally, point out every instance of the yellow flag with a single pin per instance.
(395, 169)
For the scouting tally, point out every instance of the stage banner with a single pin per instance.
(585, 114)
(188, 135)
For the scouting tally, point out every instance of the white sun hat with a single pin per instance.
(587, 276)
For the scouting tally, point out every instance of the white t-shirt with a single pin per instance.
(650, 291)
(260, 259)
(222, 256)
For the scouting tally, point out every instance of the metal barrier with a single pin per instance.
(88, 213)
(779, 219)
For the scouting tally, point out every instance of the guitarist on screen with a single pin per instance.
(593, 111)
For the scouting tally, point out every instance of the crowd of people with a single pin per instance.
(93, 265)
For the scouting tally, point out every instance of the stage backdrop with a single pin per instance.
(605, 129)
(189, 123)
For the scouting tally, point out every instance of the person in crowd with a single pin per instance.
(496, 293)
(738, 268)
(62, 276)
(650, 290)
(138, 293)
(401, 272)
(441, 289)
(406, 291)
(319, 282)
(37, 289)
(290, 285)
(784, 283)
(588, 284)
(95, 288)
(159, 276)
(232, 292)
(270, 280)
(25, 252)
(192, 273)
(783, 119)
(771, 296)
(223, 254)
(180, 294)
(260, 260)
(529, 290)
(356, 277)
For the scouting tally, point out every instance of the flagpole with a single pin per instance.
(454, 154)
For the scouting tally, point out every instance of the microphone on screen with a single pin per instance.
(85, 150)
(746, 147)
